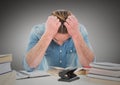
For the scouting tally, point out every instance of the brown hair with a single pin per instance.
(62, 16)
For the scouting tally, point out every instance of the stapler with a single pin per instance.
(68, 75)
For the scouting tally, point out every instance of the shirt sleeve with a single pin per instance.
(85, 36)
(34, 37)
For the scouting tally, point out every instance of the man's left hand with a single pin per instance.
(72, 25)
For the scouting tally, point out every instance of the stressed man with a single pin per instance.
(61, 41)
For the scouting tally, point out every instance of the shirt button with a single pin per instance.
(60, 50)
(60, 61)
(70, 50)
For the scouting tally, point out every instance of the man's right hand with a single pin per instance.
(52, 25)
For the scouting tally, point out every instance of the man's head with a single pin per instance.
(62, 16)
(62, 34)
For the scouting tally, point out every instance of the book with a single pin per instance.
(82, 71)
(34, 74)
(8, 78)
(55, 70)
(5, 67)
(104, 72)
(103, 77)
(106, 65)
(5, 58)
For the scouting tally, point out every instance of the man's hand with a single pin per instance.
(85, 55)
(52, 25)
(72, 25)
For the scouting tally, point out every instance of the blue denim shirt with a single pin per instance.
(55, 55)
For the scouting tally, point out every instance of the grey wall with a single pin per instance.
(100, 17)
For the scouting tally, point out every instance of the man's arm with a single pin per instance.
(35, 54)
(85, 55)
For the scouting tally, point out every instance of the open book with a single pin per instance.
(37, 73)
(55, 70)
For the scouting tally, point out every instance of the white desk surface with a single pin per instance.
(53, 80)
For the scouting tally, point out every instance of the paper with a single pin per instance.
(34, 74)
(8, 78)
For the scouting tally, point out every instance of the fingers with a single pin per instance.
(72, 19)
(53, 20)
(67, 25)
(52, 24)
(72, 25)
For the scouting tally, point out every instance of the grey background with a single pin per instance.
(100, 17)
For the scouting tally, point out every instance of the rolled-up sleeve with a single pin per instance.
(85, 36)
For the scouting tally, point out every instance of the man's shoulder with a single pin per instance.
(38, 29)
(82, 29)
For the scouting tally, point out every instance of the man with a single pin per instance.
(61, 42)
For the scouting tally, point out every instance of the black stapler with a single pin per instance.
(68, 75)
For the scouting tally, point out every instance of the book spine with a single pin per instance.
(5, 59)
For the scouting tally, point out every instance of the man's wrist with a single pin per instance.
(48, 35)
(76, 35)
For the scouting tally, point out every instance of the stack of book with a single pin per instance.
(105, 70)
(7, 75)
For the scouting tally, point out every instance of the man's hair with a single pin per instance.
(62, 16)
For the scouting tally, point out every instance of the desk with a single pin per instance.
(53, 80)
